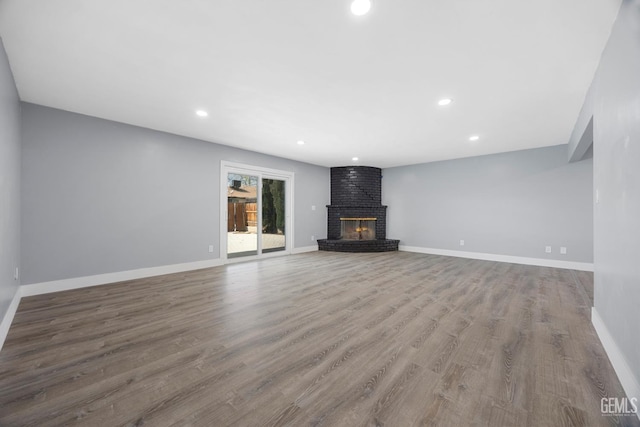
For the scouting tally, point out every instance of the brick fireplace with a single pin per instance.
(357, 220)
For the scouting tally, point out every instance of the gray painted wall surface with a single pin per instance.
(101, 196)
(616, 112)
(584, 125)
(509, 204)
(9, 183)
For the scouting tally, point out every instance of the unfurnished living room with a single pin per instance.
(330, 213)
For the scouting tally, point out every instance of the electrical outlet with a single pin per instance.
(16, 275)
(547, 249)
(563, 250)
(461, 242)
(313, 207)
(313, 238)
(210, 248)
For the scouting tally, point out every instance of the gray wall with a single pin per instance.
(101, 196)
(9, 183)
(614, 104)
(508, 204)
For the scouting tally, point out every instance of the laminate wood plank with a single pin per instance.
(585, 279)
(323, 339)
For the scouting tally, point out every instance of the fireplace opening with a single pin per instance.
(358, 228)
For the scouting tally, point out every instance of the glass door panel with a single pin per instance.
(273, 215)
(256, 212)
(242, 219)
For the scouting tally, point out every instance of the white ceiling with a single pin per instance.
(271, 73)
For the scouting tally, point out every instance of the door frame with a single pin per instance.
(227, 167)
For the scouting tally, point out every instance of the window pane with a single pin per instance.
(273, 215)
(242, 224)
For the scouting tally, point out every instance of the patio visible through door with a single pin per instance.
(257, 211)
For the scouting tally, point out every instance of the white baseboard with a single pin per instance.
(623, 370)
(103, 279)
(571, 265)
(98, 279)
(304, 249)
(8, 316)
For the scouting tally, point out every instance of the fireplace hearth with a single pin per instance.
(356, 216)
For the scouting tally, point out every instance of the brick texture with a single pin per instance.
(337, 212)
(356, 186)
(385, 245)
(356, 192)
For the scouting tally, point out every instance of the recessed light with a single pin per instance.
(360, 7)
(202, 113)
(300, 142)
(474, 138)
(445, 101)
(355, 159)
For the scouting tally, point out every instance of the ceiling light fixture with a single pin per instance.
(300, 142)
(445, 101)
(360, 7)
(202, 113)
(355, 159)
(474, 138)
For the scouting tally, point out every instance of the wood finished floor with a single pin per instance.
(331, 339)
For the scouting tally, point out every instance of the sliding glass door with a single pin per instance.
(242, 215)
(273, 215)
(256, 211)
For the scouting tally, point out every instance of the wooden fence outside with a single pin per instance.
(241, 216)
